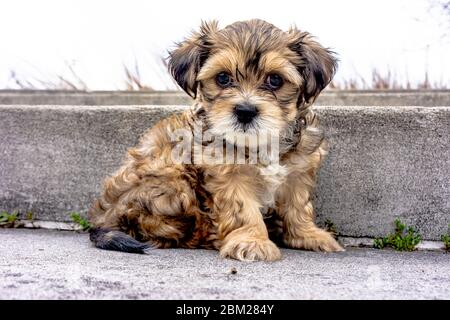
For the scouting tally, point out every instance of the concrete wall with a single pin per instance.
(327, 98)
(384, 162)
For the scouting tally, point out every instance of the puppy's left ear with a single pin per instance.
(317, 64)
(188, 57)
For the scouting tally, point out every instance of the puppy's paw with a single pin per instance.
(250, 250)
(317, 240)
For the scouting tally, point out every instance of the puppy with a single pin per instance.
(247, 79)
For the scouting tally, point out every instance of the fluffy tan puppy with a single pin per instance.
(250, 151)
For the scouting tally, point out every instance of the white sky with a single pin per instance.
(97, 37)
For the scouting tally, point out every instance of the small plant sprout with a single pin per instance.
(8, 220)
(403, 239)
(330, 227)
(446, 239)
(82, 222)
(30, 216)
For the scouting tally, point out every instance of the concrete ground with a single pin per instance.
(43, 264)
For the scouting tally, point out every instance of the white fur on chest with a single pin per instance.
(274, 176)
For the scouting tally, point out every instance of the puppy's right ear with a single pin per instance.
(188, 57)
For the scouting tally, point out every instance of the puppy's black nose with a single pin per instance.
(245, 112)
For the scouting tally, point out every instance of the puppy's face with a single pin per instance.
(251, 76)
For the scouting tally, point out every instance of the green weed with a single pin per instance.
(331, 227)
(446, 239)
(8, 220)
(82, 222)
(403, 239)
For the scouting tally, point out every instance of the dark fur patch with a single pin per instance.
(318, 64)
(253, 62)
(189, 56)
(108, 239)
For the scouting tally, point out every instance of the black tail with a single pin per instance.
(116, 240)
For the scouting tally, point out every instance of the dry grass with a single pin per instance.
(133, 81)
(55, 82)
(386, 81)
(74, 82)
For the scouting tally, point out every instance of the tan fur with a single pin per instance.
(230, 207)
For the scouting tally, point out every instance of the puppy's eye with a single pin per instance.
(223, 79)
(274, 81)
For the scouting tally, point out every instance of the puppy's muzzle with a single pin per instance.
(245, 113)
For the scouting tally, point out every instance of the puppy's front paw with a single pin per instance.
(250, 250)
(317, 240)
